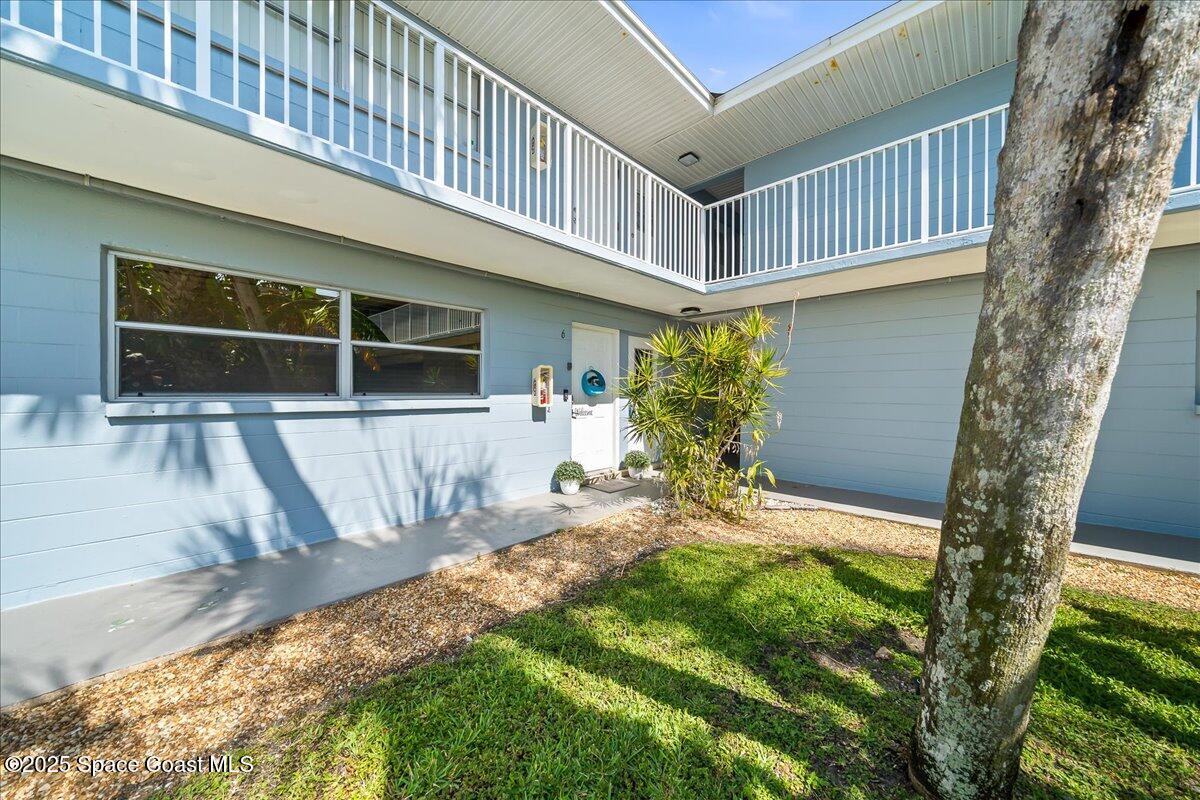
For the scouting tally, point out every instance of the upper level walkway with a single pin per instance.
(369, 90)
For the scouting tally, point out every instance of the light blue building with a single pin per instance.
(230, 327)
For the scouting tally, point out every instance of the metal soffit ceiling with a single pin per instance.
(577, 56)
(597, 63)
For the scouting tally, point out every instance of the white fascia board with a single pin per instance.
(639, 30)
(856, 34)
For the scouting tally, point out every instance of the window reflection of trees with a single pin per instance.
(189, 331)
(178, 362)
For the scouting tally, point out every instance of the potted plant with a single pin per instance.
(637, 463)
(569, 475)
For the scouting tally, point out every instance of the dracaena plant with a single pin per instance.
(705, 393)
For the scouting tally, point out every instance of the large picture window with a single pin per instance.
(187, 331)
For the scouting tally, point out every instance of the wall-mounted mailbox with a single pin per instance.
(543, 386)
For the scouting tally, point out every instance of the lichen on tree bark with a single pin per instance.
(1103, 95)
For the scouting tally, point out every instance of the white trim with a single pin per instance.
(646, 38)
(439, 113)
(232, 333)
(856, 34)
(292, 404)
(344, 343)
(205, 266)
(598, 328)
(634, 344)
(109, 356)
(483, 318)
(422, 347)
(345, 363)
(399, 299)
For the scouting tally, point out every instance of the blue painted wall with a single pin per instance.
(978, 93)
(873, 201)
(88, 501)
(965, 98)
(873, 397)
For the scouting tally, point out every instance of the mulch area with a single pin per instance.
(205, 701)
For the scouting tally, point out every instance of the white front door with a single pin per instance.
(594, 417)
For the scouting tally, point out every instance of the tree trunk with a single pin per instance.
(1103, 95)
(243, 289)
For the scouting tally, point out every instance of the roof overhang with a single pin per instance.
(601, 65)
(821, 52)
(626, 17)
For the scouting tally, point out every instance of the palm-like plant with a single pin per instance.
(704, 393)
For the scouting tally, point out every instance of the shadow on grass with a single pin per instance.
(637, 691)
(1095, 666)
(1126, 679)
(832, 738)
(712, 671)
(910, 601)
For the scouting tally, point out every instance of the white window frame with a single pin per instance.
(344, 343)
(344, 314)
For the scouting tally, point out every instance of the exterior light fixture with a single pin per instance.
(689, 158)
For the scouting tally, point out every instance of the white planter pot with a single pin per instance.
(568, 487)
(637, 474)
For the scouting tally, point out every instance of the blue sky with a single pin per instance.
(724, 42)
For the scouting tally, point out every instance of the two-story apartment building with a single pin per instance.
(275, 271)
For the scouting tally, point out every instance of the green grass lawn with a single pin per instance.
(740, 671)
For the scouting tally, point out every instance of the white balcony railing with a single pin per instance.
(368, 79)
(936, 184)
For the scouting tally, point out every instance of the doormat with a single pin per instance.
(613, 485)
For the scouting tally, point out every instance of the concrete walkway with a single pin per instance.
(1160, 550)
(48, 645)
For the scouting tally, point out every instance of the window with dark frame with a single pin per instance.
(189, 331)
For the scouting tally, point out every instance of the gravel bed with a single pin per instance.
(205, 701)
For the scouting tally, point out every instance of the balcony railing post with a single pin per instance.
(133, 34)
(287, 62)
(204, 50)
(568, 168)
(167, 30)
(648, 201)
(1195, 137)
(925, 186)
(796, 222)
(439, 112)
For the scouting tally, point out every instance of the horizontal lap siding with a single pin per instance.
(86, 501)
(962, 99)
(875, 390)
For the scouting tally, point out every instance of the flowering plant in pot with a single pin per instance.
(569, 475)
(637, 463)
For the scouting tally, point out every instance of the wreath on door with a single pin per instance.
(592, 382)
